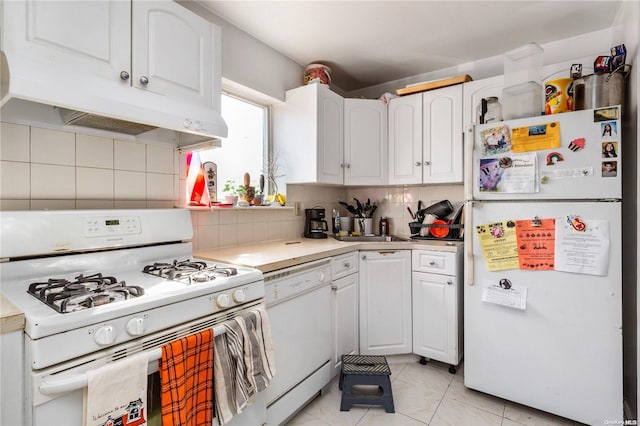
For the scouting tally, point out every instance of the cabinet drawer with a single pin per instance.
(343, 265)
(437, 262)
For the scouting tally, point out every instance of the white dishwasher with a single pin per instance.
(298, 301)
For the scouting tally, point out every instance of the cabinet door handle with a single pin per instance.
(348, 166)
(384, 253)
(426, 163)
(449, 282)
(418, 163)
(364, 257)
(124, 75)
(342, 165)
(334, 287)
(347, 265)
(432, 262)
(144, 80)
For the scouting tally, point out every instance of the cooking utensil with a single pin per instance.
(441, 209)
(413, 216)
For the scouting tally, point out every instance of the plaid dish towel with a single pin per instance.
(186, 380)
(243, 363)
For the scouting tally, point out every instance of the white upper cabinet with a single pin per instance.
(107, 47)
(172, 52)
(365, 142)
(405, 139)
(319, 137)
(475, 91)
(308, 135)
(425, 137)
(442, 135)
(92, 37)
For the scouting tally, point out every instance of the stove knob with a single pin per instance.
(136, 326)
(223, 301)
(105, 335)
(239, 296)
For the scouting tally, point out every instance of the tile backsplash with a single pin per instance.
(54, 169)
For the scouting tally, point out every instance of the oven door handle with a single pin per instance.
(79, 381)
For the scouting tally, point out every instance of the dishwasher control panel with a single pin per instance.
(287, 283)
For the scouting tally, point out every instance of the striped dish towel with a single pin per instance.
(186, 380)
(243, 362)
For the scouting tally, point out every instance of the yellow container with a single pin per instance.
(558, 96)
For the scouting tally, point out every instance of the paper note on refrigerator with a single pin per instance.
(499, 245)
(582, 245)
(512, 297)
(536, 243)
(509, 174)
(534, 138)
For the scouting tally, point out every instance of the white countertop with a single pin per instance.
(274, 255)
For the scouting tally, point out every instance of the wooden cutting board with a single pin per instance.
(433, 85)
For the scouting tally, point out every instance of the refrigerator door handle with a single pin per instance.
(468, 243)
(468, 164)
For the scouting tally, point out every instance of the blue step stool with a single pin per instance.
(365, 370)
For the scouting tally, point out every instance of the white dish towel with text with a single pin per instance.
(117, 393)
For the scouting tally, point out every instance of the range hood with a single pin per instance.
(32, 94)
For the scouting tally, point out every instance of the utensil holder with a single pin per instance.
(415, 227)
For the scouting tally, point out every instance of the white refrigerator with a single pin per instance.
(543, 266)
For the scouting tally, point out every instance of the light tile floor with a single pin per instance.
(424, 395)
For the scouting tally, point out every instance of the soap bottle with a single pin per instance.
(336, 222)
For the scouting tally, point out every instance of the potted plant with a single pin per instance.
(232, 191)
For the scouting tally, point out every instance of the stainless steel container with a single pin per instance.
(602, 89)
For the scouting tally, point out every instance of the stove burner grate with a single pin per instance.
(189, 271)
(85, 292)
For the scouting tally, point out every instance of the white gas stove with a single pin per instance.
(97, 285)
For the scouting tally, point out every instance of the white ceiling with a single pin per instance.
(371, 42)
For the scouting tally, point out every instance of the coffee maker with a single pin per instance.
(315, 226)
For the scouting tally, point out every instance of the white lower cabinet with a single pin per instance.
(11, 377)
(385, 302)
(437, 306)
(344, 308)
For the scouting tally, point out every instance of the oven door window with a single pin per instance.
(154, 404)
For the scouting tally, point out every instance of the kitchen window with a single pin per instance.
(245, 149)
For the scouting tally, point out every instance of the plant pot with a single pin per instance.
(231, 199)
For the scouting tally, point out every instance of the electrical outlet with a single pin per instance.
(296, 208)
